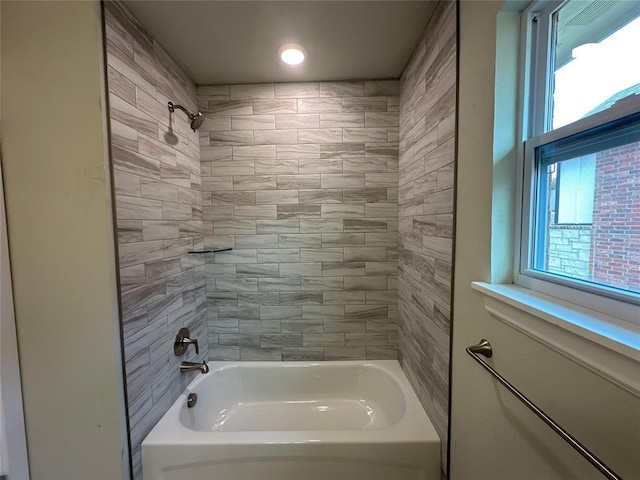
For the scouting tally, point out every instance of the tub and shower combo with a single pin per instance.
(356, 420)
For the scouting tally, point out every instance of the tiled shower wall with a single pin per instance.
(427, 162)
(302, 181)
(158, 215)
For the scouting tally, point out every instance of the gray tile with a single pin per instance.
(382, 353)
(320, 135)
(297, 90)
(255, 270)
(342, 239)
(381, 119)
(341, 120)
(291, 152)
(320, 225)
(225, 354)
(281, 340)
(278, 226)
(259, 299)
(344, 353)
(275, 137)
(134, 208)
(281, 313)
(319, 105)
(300, 269)
(256, 152)
(323, 339)
(313, 165)
(297, 120)
(344, 298)
(365, 254)
(238, 340)
(238, 313)
(382, 87)
(286, 182)
(342, 210)
(343, 269)
(259, 326)
(321, 283)
(366, 312)
(263, 90)
(311, 240)
(364, 104)
(302, 354)
(254, 182)
(253, 122)
(365, 135)
(231, 138)
(256, 241)
(341, 89)
(346, 326)
(278, 105)
(230, 107)
(236, 284)
(301, 298)
(278, 285)
(365, 224)
(321, 255)
(278, 255)
(366, 195)
(250, 354)
(350, 180)
(277, 197)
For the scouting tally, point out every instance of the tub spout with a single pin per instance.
(193, 366)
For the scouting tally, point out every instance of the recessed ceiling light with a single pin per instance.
(292, 54)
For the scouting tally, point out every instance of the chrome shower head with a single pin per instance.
(196, 119)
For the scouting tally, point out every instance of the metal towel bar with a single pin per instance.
(484, 348)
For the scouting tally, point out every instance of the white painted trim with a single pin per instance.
(607, 346)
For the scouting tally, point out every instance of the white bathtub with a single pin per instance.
(356, 420)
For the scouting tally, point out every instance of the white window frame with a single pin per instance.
(535, 70)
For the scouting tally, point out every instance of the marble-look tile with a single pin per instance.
(275, 137)
(426, 195)
(278, 105)
(263, 90)
(344, 353)
(319, 105)
(341, 89)
(230, 107)
(285, 181)
(308, 354)
(364, 104)
(297, 120)
(341, 120)
(253, 122)
(323, 339)
(297, 90)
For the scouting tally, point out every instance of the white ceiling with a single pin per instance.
(237, 41)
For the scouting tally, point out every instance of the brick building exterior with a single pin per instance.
(615, 232)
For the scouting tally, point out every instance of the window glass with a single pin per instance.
(587, 222)
(595, 57)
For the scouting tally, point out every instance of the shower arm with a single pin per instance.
(172, 108)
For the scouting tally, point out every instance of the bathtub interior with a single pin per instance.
(295, 397)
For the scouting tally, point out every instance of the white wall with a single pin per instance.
(13, 454)
(494, 436)
(61, 238)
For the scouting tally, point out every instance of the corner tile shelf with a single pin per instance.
(211, 250)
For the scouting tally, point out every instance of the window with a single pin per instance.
(581, 180)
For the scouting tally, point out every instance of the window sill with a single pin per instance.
(605, 345)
